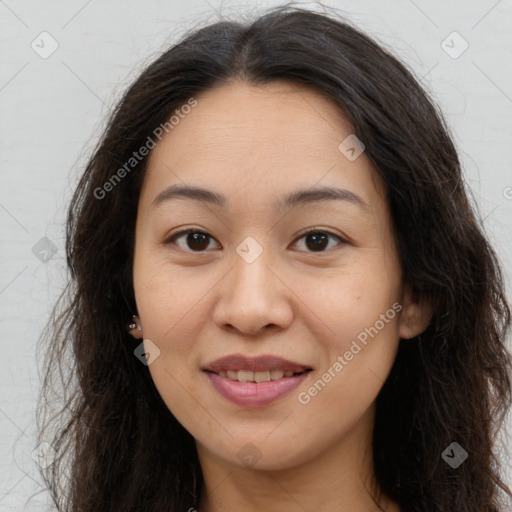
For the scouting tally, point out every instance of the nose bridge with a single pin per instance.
(252, 296)
(251, 275)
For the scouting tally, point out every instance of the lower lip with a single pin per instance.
(255, 394)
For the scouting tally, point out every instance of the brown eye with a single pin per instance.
(191, 240)
(318, 241)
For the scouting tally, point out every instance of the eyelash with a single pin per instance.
(171, 239)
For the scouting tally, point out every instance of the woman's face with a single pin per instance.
(251, 296)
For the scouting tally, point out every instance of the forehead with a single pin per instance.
(239, 117)
(255, 141)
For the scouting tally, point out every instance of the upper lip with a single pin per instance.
(262, 363)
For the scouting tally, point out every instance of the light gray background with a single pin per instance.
(53, 109)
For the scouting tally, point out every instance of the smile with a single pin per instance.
(254, 382)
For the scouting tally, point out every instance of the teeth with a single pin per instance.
(261, 376)
(277, 374)
(249, 376)
(245, 376)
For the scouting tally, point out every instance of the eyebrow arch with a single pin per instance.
(297, 198)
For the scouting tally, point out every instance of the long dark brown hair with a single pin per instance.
(118, 447)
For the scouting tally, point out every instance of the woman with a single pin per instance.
(318, 318)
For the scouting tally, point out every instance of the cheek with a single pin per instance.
(354, 300)
(360, 311)
(170, 300)
(359, 360)
(173, 305)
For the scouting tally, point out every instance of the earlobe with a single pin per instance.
(416, 315)
(135, 327)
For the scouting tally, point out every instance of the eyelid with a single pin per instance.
(170, 240)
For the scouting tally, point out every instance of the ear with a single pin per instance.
(416, 314)
(135, 328)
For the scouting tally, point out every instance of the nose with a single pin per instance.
(253, 299)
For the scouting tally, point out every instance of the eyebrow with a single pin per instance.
(297, 198)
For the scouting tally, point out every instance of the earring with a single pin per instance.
(134, 324)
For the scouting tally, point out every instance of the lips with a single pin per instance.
(255, 382)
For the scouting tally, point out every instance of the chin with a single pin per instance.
(261, 454)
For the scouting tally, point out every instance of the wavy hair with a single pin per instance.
(118, 447)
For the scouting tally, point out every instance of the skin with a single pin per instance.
(255, 144)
